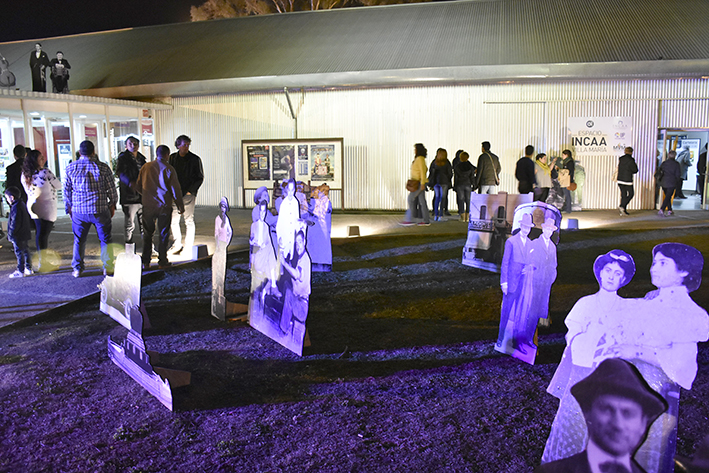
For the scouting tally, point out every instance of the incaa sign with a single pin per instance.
(588, 141)
(599, 136)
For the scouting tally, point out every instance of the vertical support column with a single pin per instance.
(107, 138)
(29, 131)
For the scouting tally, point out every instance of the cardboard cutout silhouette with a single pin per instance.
(527, 273)
(132, 357)
(319, 243)
(222, 236)
(658, 335)
(122, 290)
(618, 408)
(280, 276)
(489, 225)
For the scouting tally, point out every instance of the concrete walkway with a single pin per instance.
(24, 297)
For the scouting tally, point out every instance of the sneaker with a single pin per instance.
(174, 250)
(620, 210)
(406, 224)
(17, 274)
(626, 211)
(28, 272)
(447, 213)
(661, 213)
(668, 213)
(164, 265)
(76, 273)
(424, 224)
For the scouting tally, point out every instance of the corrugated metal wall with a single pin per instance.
(380, 127)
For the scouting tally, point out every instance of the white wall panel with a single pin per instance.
(380, 127)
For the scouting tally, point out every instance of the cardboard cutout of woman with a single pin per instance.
(658, 335)
(264, 269)
(319, 243)
(222, 236)
(587, 324)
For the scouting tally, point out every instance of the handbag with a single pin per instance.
(659, 174)
(572, 187)
(412, 185)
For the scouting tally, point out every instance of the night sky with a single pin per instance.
(33, 19)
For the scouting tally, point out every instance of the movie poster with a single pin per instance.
(303, 161)
(322, 159)
(284, 162)
(258, 163)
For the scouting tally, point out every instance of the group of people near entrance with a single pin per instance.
(534, 174)
(155, 194)
(657, 337)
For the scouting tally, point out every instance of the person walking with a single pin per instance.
(626, 168)
(524, 171)
(90, 199)
(41, 186)
(191, 176)
(464, 173)
(416, 186)
(159, 187)
(671, 178)
(487, 174)
(128, 167)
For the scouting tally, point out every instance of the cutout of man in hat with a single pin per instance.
(619, 408)
(543, 258)
(515, 278)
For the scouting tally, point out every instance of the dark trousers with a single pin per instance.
(626, 195)
(44, 228)
(541, 194)
(525, 187)
(667, 201)
(22, 252)
(463, 195)
(164, 219)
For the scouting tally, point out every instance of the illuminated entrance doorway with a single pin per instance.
(688, 143)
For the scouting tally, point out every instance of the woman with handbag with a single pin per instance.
(416, 185)
(41, 186)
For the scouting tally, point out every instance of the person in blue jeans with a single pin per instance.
(18, 232)
(440, 179)
(90, 198)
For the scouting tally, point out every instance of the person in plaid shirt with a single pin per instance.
(90, 199)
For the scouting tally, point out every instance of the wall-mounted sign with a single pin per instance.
(316, 160)
(600, 136)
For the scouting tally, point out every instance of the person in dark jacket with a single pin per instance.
(18, 232)
(524, 171)
(128, 167)
(464, 177)
(626, 168)
(13, 173)
(487, 174)
(39, 62)
(670, 180)
(190, 174)
(60, 74)
(439, 179)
